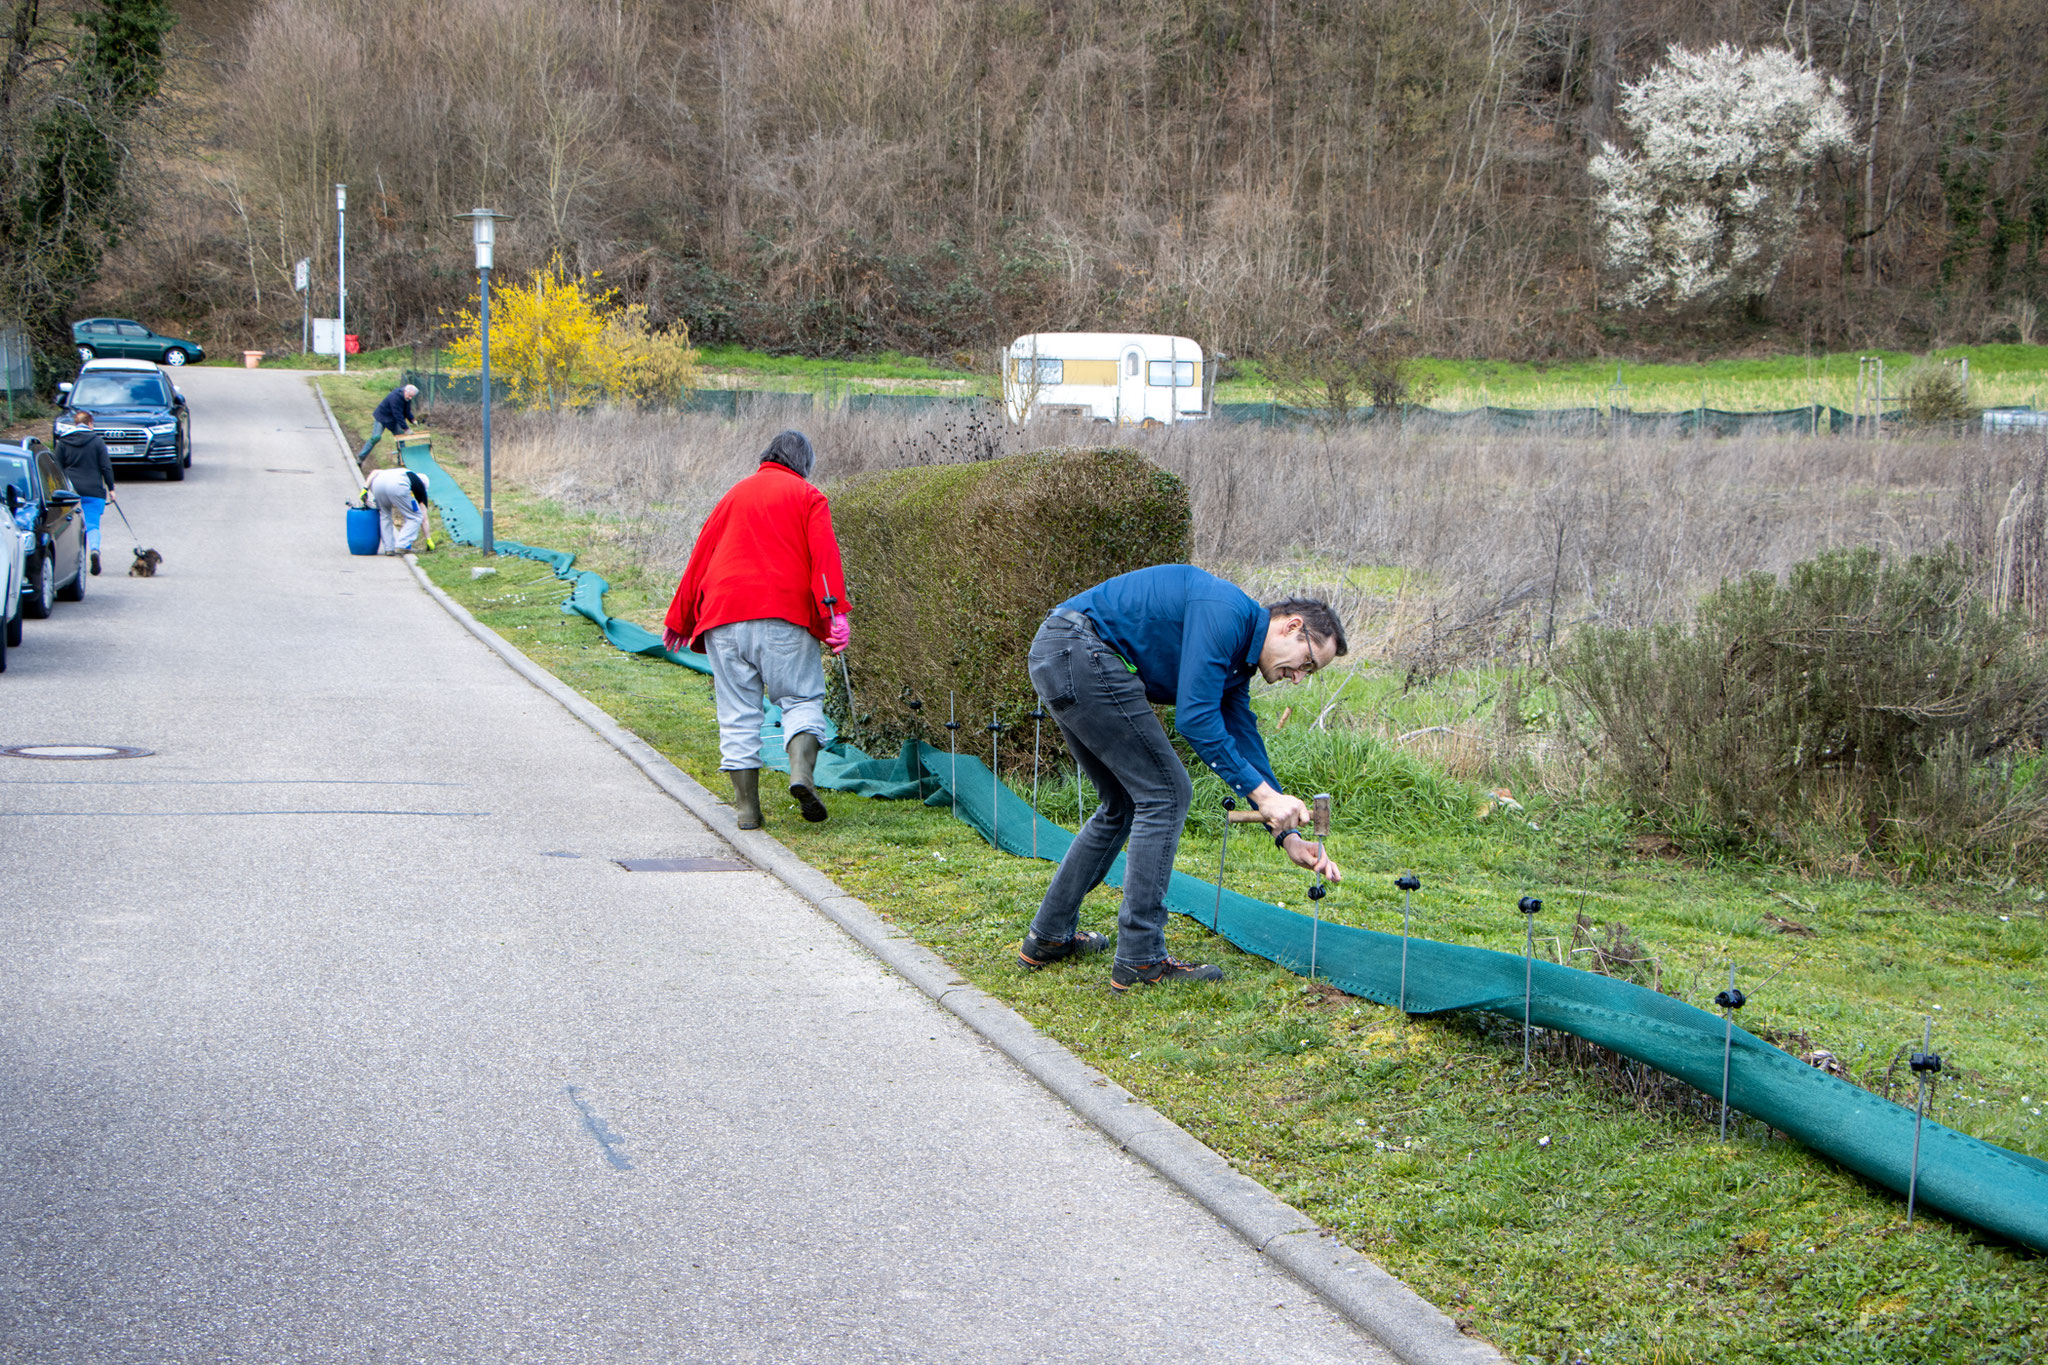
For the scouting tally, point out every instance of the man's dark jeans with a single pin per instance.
(1115, 736)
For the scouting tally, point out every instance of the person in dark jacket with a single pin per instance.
(1169, 635)
(394, 415)
(83, 453)
(754, 599)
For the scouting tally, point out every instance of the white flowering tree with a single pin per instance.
(1707, 206)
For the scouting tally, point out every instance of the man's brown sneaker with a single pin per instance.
(1036, 952)
(1122, 976)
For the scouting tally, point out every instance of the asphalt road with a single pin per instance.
(331, 1032)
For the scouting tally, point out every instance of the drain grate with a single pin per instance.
(682, 865)
(74, 751)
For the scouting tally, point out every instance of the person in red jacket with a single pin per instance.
(754, 599)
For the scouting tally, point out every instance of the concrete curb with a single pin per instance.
(1407, 1324)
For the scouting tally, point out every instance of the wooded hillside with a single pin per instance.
(837, 176)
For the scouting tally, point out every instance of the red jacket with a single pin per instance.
(766, 551)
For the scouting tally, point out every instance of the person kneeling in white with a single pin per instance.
(400, 497)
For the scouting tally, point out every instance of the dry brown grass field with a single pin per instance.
(1446, 549)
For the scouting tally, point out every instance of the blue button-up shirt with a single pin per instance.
(1194, 641)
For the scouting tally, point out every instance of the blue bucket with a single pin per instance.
(362, 531)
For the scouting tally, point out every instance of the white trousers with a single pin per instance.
(400, 518)
(753, 659)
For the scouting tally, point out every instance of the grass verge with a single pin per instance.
(1563, 1215)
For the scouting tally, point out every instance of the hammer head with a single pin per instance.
(1319, 814)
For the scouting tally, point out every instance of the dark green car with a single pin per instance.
(126, 339)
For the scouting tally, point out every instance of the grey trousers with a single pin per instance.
(767, 658)
(400, 518)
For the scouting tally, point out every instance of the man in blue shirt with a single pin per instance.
(1175, 635)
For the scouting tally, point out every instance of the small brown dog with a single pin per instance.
(145, 563)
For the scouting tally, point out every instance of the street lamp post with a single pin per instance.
(341, 273)
(483, 231)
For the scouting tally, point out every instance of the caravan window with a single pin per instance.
(1168, 374)
(1048, 371)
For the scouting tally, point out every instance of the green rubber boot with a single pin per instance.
(803, 761)
(746, 796)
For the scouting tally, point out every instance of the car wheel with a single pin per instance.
(4, 642)
(41, 597)
(87, 353)
(74, 591)
(175, 471)
(174, 356)
(14, 630)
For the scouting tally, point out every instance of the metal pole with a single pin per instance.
(1528, 905)
(1222, 853)
(484, 331)
(341, 273)
(953, 747)
(917, 737)
(1037, 716)
(1730, 1001)
(1408, 883)
(995, 783)
(1320, 818)
(1926, 1065)
(844, 676)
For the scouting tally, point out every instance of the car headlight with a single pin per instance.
(162, 428)
(64, 428)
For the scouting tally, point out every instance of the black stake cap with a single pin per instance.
(1230, 803)
(1731, 999)
(1925, 1062)
(1318, 891)
(1408, 881)
(1528, 905)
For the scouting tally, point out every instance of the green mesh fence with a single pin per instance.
(2002, 1191)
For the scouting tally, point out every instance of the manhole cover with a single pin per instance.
(74, 751)
(681, 865)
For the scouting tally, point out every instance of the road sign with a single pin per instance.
(302, 274)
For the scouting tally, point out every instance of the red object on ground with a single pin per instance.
(767, 551)
(353, 344)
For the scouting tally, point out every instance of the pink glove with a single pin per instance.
(672, 642)
(840, 636)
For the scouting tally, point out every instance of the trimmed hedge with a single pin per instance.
(952, 568)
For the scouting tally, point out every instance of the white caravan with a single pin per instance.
(1131, 379)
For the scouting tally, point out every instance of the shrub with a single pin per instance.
(560, 340)
(1863, 696)
(1935, 392)
(1330, 374)
(953, 567)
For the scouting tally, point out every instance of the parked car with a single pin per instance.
(135, 408)
(49, 511)
(127, 339)
(13, 564)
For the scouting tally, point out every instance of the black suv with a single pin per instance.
(136, 409)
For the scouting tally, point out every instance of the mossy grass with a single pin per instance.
(1631, 1234)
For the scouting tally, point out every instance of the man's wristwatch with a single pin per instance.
(1280, 838)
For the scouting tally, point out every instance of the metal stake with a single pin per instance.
(1528, 905)
(1730, 1001)
(916, 705)
(844, 676)
(1408, 882)
(953, 748)
(1222, 852)
(1037, 717)
(1320, 818)
(1926, 1065)
(995, 783)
